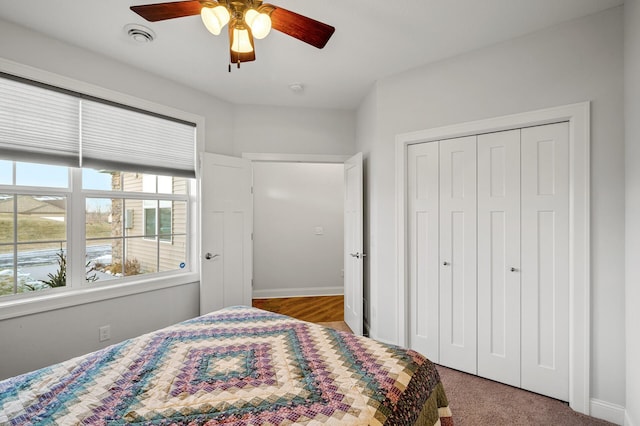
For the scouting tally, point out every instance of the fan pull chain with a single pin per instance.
(238, 64)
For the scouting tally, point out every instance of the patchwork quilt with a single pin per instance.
(237, 366)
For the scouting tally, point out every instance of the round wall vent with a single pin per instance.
(139, 33)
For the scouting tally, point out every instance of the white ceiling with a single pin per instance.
(373, 39)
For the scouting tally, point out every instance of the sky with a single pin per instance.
(43, 175)
(49, 176)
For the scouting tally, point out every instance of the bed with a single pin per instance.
(237, 366)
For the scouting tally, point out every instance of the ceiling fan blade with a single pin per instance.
(170, 10)
(305, 29)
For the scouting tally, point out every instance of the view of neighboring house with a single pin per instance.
(154, 230)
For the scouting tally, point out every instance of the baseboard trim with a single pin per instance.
(298, 292)
(627, 419)
(613, 413)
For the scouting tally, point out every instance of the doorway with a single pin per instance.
(227, 230)
(352, 216)
(298, 229)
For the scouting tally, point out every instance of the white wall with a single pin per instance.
(35, 341)
(284, 130)
(290, 200)
(632, 156)
(577, 61)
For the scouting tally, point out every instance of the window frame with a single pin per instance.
(64, 297)
(28, 190)
(75, 195)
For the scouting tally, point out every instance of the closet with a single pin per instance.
(488, 255)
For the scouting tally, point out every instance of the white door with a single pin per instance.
(424, 267)
(499, 256)
(545, 260)
(458, 273)
(353, 255)
(227, 224)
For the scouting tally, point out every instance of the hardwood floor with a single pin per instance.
(312, 309)
(337, 325)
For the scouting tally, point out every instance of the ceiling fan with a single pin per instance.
(247, 19)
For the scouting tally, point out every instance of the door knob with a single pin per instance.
(513, 269)
(210, 256)
(445, 263)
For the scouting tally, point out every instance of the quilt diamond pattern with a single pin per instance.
(238, 366)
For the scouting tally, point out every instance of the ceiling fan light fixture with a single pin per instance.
(241, 39)
(259, 22)
(215, 18)
(245, 19)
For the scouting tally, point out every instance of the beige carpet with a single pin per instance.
(475, 402)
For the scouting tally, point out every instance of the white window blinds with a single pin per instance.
(38, 124)
(42, 124)
(122, 139)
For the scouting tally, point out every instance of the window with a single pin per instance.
(126, 232)
(131, 229)
(73, 169)
(157, 220)
(33, 234)
(157, 213)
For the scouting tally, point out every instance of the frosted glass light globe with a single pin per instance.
(260, 23)
(215, 18)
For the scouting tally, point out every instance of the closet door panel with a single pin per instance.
(545, 260)
(458, 253)
(422, 200)
(499, 256)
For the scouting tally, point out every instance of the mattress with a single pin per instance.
(237, 366)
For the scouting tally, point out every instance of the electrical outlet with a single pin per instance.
(104, 333)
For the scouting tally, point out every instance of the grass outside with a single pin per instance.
(35, 230)
(32, 229)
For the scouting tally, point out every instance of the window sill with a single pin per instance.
(58, 300)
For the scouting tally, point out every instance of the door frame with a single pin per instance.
(578, 116)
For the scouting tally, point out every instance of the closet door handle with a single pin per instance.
(445, 263)
(513, 269)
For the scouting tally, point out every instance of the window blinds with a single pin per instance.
(42, 124)
(121, 139)
(38, 124)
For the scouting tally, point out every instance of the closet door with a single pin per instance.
(458, 253)
(545, 260)
(499, 256)
(423, 229)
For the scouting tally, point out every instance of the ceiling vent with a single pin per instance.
(139, 33)
(296, 87)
